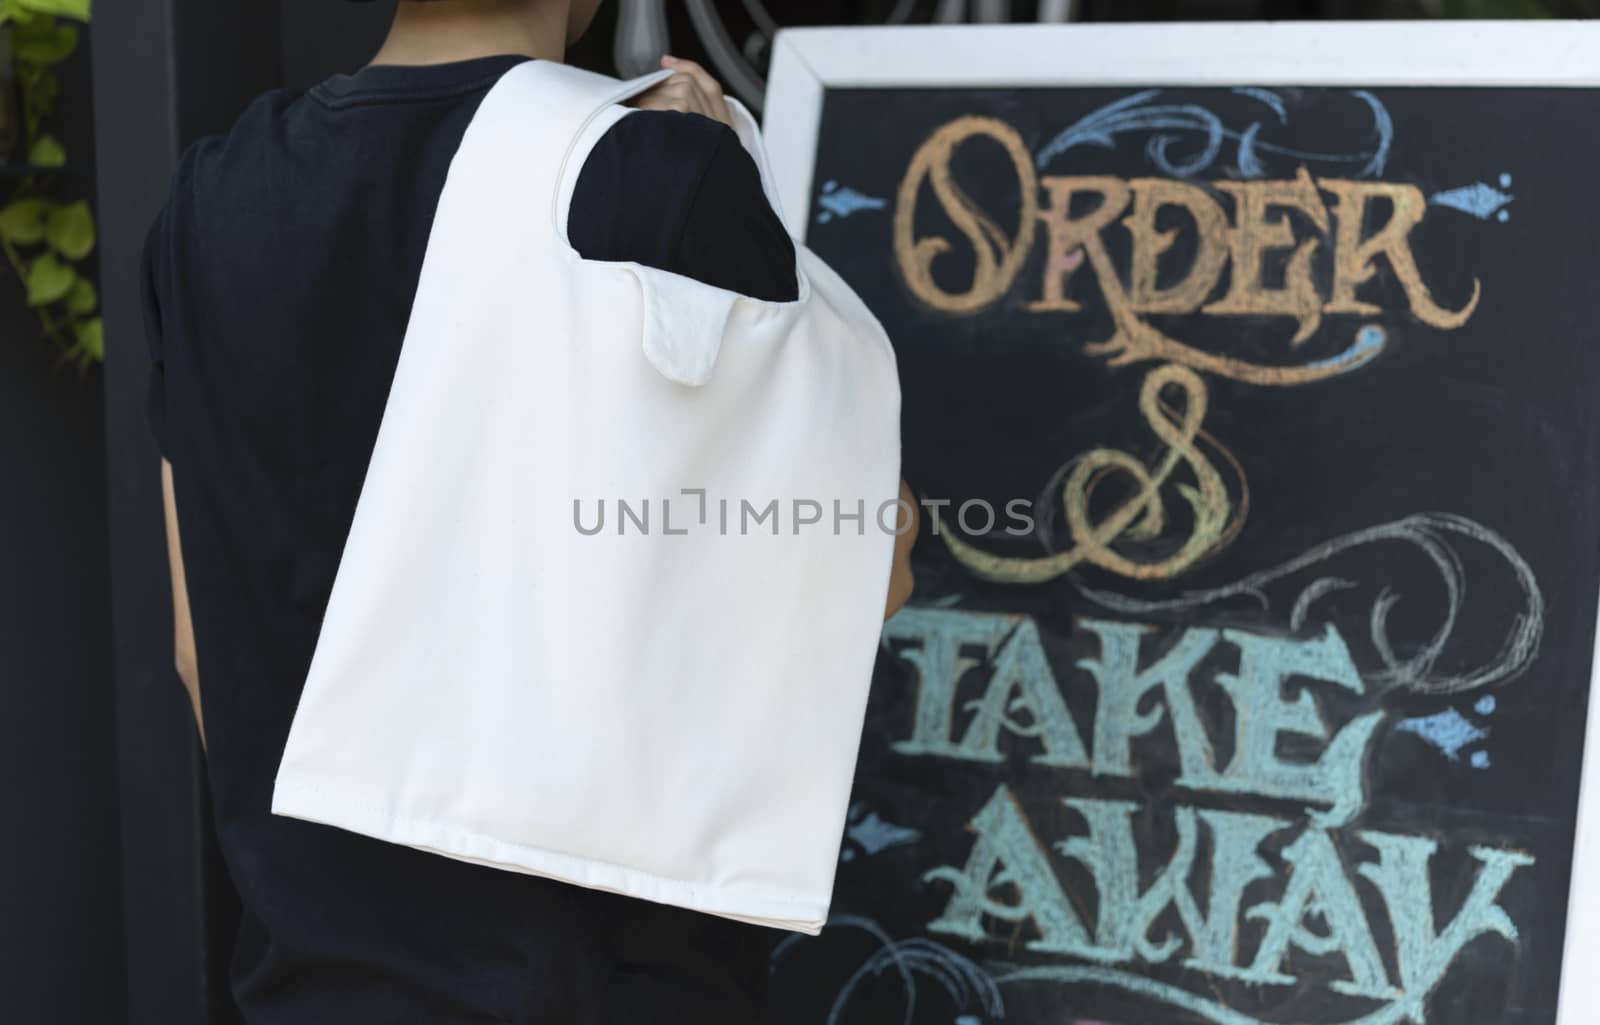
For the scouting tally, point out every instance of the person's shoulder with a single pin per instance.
(208, 163)
(670, 136)
(680, 192)
(215, 168)
(638, 184)
(211, 160)
(664, 153)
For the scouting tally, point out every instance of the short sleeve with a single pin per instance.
(731, 236)
(150, 273)
(678, 192)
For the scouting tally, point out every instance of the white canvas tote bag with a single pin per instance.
(670, 707)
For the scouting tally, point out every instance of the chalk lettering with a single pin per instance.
(1263, 219)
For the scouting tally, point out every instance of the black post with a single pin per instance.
(165, 72)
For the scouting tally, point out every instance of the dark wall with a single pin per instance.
(60, 894)
(321, 38)
(60, 888)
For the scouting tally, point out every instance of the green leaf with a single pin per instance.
(47, 152)
(91, 335)
(27, 24)
(15, 12)
(78, 9)
(22, 221)
(39, 91)
(70, 230)
(38, 82)
(83, 298)
(43, 41)
(48, 280)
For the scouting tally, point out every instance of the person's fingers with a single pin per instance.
(709, 87)
(708, 84)
(673, 94)
(692, 97)
(683, 92)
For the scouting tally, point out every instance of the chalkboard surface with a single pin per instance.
(1246, 676)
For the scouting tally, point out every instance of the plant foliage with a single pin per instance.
(47, 236)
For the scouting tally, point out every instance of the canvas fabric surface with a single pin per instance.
(671, 712)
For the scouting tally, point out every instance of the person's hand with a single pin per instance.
(691, 89)
(901, 580)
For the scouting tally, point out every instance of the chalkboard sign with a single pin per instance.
(1251, 373)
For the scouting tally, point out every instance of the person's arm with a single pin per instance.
(901, 580)
(184, 658)
(183, 647)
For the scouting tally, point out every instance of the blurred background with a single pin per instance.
(735, 36)
(114, 908)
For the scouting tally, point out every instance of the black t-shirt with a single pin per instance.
(279, 279)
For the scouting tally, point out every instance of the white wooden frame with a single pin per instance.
(806, 62)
